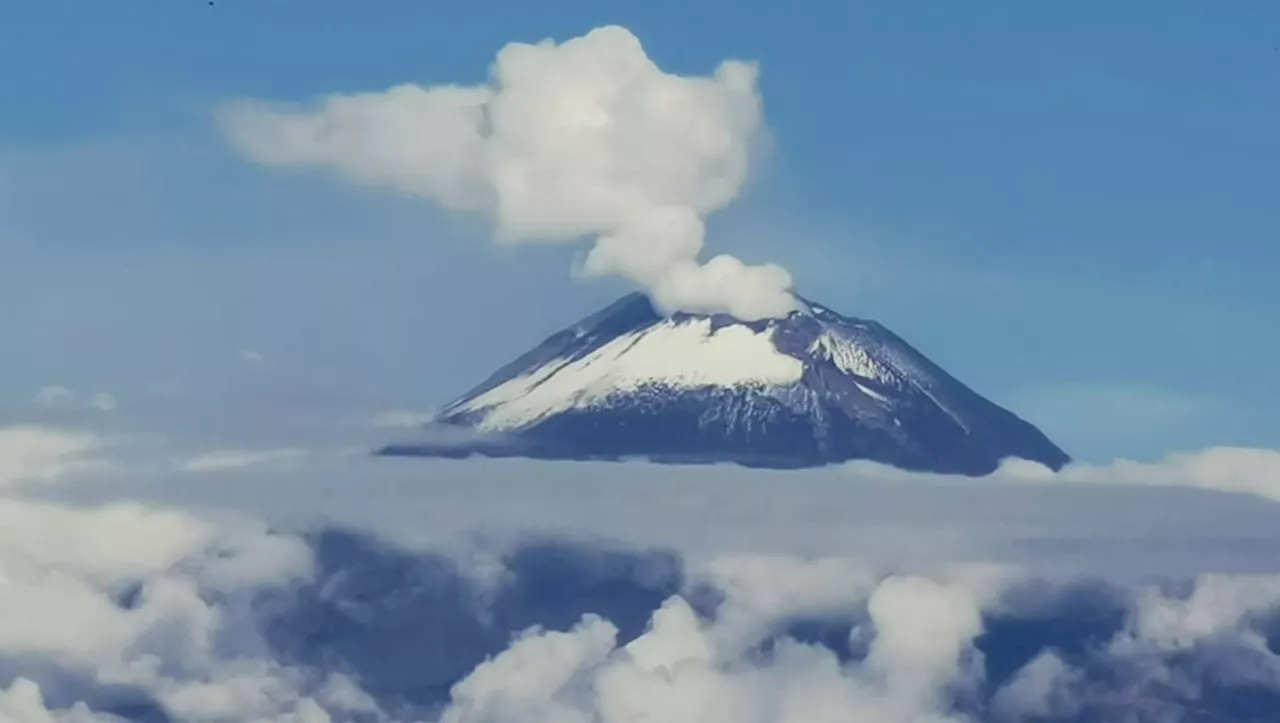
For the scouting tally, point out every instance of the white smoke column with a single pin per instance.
(588, 138)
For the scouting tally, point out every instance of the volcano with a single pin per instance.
(811, 389)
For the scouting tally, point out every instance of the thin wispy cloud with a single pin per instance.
(32, 453)
(61, 398)
(55, 397)
(166, 388)
(102, 401)
(403, 418)
(252, 357)
(230, 459)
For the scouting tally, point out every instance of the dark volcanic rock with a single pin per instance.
(812, 389)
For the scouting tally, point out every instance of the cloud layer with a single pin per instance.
(1225, 469)
(588, 138)
(554, 592)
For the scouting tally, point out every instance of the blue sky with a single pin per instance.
(1072, 209)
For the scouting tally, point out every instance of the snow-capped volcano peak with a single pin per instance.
(679, 354)
(812, 388)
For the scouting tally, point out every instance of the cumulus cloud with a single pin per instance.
(1199, 649)
(109, 608)
(587, 138)
(1043, 689)
(104, 604)
(676, 672)
(23, 702)
(933, 649)
(762, 589)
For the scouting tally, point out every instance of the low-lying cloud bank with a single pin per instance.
(1225, 469)
(246, 625)
(144, 611)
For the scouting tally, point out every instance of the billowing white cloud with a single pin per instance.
(763, 589)
(1217, 604)
(179, 639)
(676, 671)
(588, 138)
(1041, 689)
(922, 627)
(1173, 649)
(23, 702)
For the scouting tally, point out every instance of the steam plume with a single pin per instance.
(588, 138)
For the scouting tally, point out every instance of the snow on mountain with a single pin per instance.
(810, 389)
(682, 355)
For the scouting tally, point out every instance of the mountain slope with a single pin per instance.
(811, 389)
